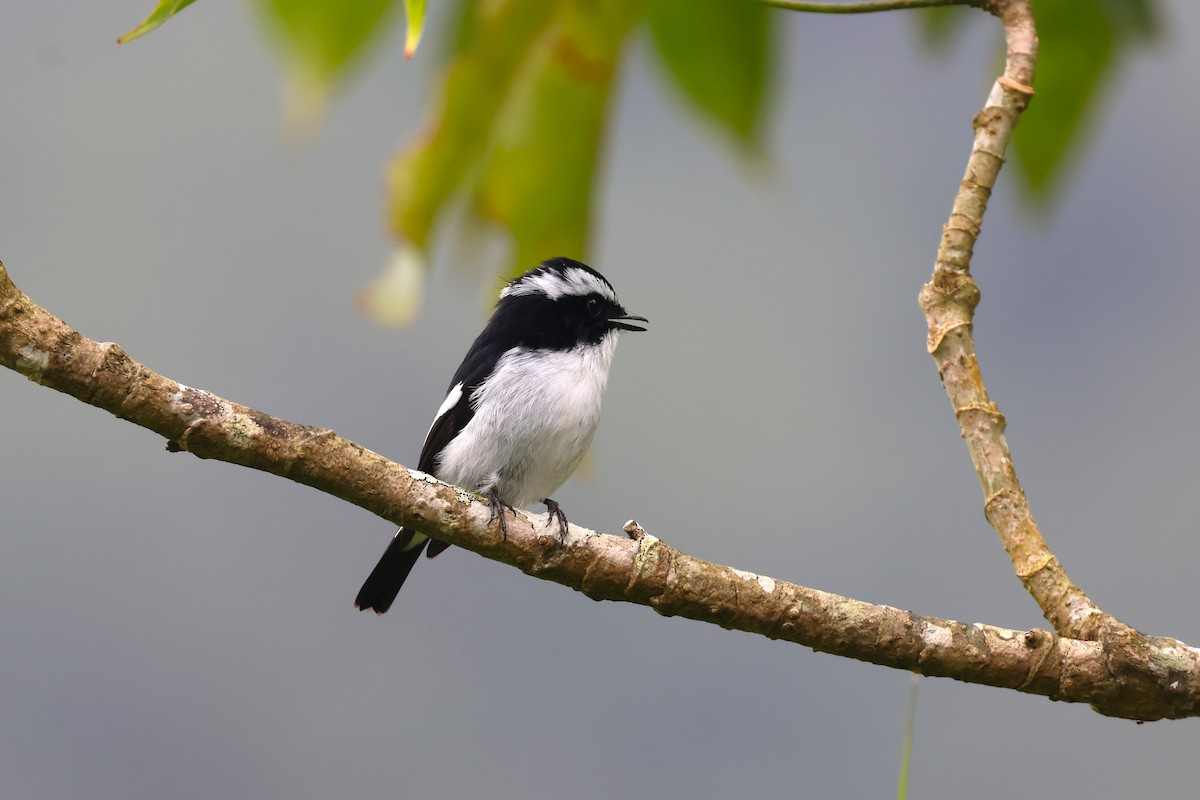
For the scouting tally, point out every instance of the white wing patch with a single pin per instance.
(452, 398)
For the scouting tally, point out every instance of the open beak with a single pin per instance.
(620, 322)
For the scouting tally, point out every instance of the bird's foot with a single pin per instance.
(556, 513)
(498, 507)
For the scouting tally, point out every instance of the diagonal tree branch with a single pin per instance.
(1139, 677)
(1096, 660)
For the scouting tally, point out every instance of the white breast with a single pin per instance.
(534, 419)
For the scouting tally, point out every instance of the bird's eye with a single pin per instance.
(593, 307)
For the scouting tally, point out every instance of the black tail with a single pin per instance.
(384, 582)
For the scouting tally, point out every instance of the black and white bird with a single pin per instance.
(522, 407)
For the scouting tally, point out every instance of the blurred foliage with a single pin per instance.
(515, 128)
(481, 70)
(540, 163)
(719, 54)
(160, 14)
(940, 25)
(1081, 41)
(322, 37)
(320, 40)
(414, 12)
(395, 296)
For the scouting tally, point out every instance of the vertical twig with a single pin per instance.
(949, 301)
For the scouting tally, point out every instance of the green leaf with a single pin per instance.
(1081, 41)
(540, 169)
(414, 12)
(161, 13)
(1077, 48)
(437, 162)
(320, 39)
(719, 55)
(444, 159)
(517, 126)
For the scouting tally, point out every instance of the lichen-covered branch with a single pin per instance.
(1136, 677)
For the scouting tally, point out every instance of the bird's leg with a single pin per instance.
(498, 507)
(556, 513)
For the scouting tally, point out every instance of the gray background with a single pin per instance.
(175, 628)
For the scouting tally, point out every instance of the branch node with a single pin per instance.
(1021, 89)
(1043, 643)
(986, 407)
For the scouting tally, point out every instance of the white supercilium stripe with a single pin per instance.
(554, 285)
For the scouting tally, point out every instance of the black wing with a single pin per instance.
(444, 428)
(447, 425)
(478, 364)
(475, 368)
(381, 588)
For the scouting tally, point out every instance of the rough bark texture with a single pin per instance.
(1135, 677)
(1092, 658)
